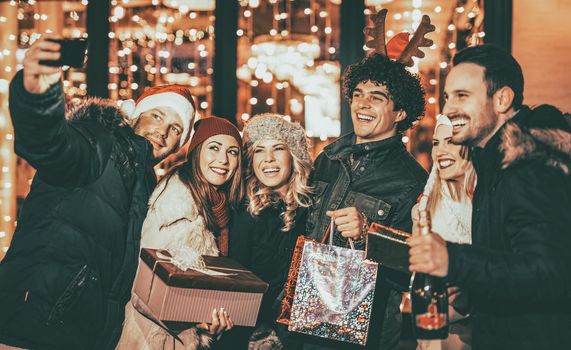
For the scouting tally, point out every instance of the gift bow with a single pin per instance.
(186, 259)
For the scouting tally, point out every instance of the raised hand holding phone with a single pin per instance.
(72, 53)
(38, 77)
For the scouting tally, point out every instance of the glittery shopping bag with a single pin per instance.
(291, 281)
(334, 293)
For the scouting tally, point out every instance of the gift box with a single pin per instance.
(176, 297)
(387, 246)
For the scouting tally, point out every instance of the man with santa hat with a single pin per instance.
(69, 271)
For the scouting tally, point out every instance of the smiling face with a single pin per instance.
(219, 157)
(162, 127)
(272, 163)
(468, 105)
(372, 113)
(446, 155)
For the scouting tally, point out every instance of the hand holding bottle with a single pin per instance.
(428, 254)
(429, 297)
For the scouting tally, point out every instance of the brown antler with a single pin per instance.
(418, 40)
(377, 32)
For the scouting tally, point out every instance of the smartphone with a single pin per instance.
(73, 53)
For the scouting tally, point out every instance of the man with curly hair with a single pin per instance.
(368, 175)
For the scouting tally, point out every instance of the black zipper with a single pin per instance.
(64, 301)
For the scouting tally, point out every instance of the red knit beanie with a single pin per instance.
(211, 126)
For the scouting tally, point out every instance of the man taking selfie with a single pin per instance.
(67, 276)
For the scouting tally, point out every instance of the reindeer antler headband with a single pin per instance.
(393, 48)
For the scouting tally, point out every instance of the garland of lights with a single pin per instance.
(133, 37)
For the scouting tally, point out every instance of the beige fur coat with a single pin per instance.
(173, 219)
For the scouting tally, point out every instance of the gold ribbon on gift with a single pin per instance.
(202, 268)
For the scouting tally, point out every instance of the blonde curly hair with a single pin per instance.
(274, 127)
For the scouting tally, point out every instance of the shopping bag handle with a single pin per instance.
(326, 235)
(329, 234)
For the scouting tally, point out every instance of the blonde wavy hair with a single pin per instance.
(458, 191)
(261, 196)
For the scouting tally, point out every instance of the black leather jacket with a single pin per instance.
(383, 181)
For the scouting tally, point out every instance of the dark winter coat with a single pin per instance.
(68, 274)
(259, 244)
(383, 181)
(518, 267)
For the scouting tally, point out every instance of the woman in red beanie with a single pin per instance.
(189, 216)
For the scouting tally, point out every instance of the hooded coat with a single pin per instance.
(517, 269)
(69, 271)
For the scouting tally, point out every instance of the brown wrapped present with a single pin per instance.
(176, 297)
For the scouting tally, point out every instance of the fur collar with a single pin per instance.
(173, 200)
(551, 145)
(174, 220)
(103, 111)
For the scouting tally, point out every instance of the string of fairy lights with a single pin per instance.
(161, 43)
(21, 23)
(172, 41)
(8, 31)
(288, 65)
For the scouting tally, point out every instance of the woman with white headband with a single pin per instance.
(449, 190)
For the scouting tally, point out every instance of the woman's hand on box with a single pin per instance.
(221, 323)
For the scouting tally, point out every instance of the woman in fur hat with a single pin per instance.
(189, 216)
(449, 191)
(265, 229)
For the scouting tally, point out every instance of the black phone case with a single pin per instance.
(72, 53)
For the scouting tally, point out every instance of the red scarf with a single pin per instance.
(221, 217)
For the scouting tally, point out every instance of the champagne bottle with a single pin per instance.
(429, 298)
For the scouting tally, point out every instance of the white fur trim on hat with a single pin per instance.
(127, 107)
(179, 103)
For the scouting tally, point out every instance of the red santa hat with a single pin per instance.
(177, 97)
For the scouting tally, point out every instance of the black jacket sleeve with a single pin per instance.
(240, 246)
(535, 264)
(63, 153)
